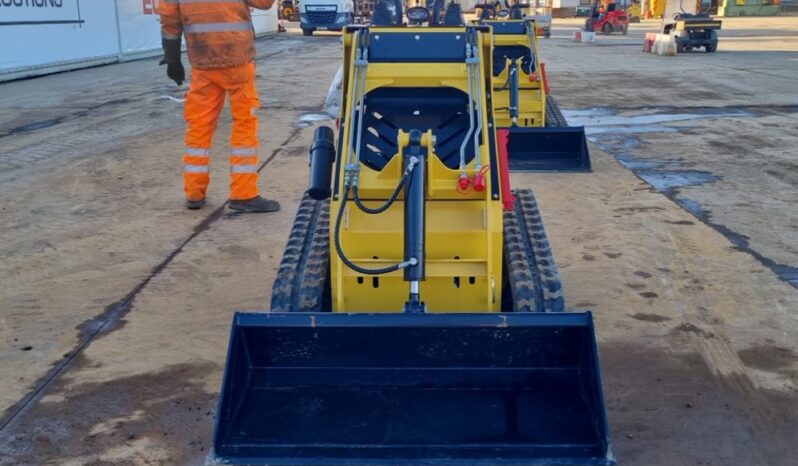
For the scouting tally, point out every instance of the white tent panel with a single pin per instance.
(139, 26)
(38, 33)
(44, 36)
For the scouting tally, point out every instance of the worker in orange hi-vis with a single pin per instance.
(221, 49)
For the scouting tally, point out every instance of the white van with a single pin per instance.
(330, 15)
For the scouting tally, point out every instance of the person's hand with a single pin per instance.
(176, 72)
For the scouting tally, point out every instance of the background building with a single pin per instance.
(44, 36)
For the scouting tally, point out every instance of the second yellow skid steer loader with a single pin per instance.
(529, 122)
(414, 319)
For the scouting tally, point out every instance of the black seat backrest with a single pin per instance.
(387, 13)
(388, 109)
(513, 52)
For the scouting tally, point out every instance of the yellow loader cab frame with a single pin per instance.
(463, 238)
(516, 51)
(413, 319)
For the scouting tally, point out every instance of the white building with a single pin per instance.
(45, 36)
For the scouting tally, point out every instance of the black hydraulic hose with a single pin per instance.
(340, 250)
(387, 204)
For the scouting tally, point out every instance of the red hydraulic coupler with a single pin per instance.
(462, 183)
(479, 179)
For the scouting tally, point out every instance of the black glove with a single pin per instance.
(171, 58)
(176, 72)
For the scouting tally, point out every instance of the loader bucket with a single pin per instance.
(329, 388)
(548, 149)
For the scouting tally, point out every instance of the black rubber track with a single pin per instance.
(524, 285)
(302, 283)
(531, 271)
(554, 116)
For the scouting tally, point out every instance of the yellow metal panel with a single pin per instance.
(458, 244)
(531, 105)
(441, 182)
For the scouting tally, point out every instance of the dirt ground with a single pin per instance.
(115, 303)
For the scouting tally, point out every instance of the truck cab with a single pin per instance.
(330, 15)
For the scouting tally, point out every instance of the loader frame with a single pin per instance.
(464, 237)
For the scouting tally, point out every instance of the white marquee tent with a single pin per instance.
(44, 36)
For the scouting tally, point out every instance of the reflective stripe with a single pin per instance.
(218, 27)
(170, 1)
(166, 35)
(244, 151)
(243, 169)
(196, 169)
(197, 152)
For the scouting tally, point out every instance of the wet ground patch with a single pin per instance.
(167, 410)
(741, 242)
(671, 180)
(35, 125)
(618, 132)
(645, 120)
(50, 122)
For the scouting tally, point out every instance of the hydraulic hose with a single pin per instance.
(402, 183)
(356, 78)
(478, 132)
(387, 204)
(340, 250)
(470, 111)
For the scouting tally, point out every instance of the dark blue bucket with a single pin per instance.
(412, 389)
(557, 149)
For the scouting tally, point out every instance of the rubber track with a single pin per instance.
(554, 116)
(533, 275)
(302, 276)
(526, 293)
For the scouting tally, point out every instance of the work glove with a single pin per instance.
(171, 58)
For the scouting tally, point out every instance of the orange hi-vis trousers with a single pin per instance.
(204, 102)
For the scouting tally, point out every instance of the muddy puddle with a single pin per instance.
(669, 180)
(618, 133)
(605, 120)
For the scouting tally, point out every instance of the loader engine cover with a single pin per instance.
(327, 388)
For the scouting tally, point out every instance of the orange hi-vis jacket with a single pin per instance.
(219, 33)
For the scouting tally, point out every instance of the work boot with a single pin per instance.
(256, 204)
(194, 205)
